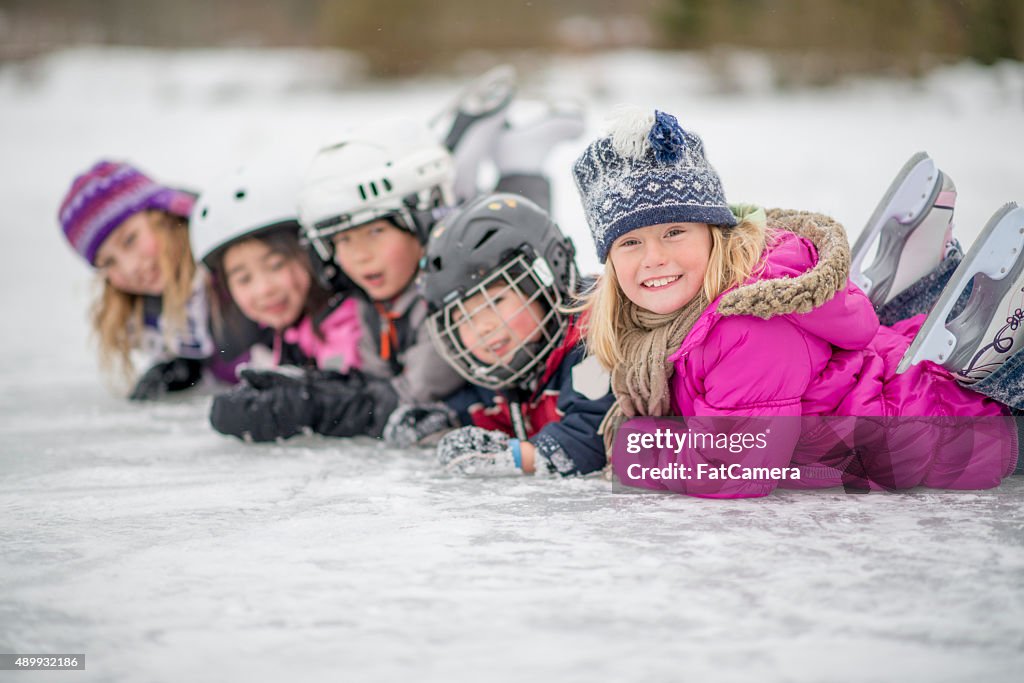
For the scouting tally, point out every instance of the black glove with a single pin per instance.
(278, 404)
(173, 375)
(262, 414)
(283, 376)
(419, 425)
(358, 405)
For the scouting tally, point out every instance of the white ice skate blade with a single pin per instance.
(908, 195)
(998, 246)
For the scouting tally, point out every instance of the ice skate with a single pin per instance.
(990, 329)
(523, 147)
(912, 225)
(476, 118)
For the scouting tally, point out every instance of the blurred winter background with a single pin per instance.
(165, 552)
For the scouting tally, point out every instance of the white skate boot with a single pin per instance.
(523, 147)
(912, 225)
(991, 327)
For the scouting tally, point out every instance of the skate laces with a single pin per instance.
(952, 247)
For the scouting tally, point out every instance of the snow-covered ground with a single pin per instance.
(166, 552)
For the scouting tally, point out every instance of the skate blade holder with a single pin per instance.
(489, 92)
(486, 93)
(911, 193)
(995, 259)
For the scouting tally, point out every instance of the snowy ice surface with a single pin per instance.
(165, 552)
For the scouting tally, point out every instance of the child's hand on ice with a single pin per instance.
(477, 452)
(419, 425)
(173, 375)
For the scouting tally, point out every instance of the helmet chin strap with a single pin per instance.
(422, 218)
(408, 283)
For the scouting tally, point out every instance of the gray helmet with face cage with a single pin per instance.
(498, 245)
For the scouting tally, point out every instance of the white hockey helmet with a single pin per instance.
(256, 198)
(390, 169)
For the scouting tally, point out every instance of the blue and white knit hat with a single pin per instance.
(647, 171)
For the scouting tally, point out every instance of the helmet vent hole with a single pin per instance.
(239, 194)
(205, 211)
(487, 235)
(437, 263)
(387, 184)
(362, 192)
(373, 189)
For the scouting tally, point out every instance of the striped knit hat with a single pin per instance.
(647, 171)
(105, 196)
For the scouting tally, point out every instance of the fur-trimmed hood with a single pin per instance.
(804, 276)
(782, 292)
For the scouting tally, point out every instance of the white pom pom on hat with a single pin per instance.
(629, 128)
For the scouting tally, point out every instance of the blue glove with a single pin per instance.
(477, 452)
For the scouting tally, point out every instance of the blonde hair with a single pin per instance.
(735, 254)
(117, 315)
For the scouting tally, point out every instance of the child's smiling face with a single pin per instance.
(379, 257)
(130, 257)
(497, 322)
(269, 287)
(661, 267)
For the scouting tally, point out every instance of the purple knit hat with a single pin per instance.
(104, 196)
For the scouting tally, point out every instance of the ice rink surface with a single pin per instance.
(165, 552)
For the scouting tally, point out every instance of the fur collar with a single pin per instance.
(802, 294)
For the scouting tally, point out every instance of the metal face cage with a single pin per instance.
(498, 357)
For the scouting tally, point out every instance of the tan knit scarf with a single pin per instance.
(641, 385)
